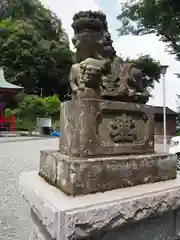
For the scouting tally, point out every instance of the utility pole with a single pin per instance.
(163, 73)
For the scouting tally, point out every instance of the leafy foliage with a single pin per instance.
(150, 69)
(34, 48)
(33, 106)
(8, 112)
(139, 17)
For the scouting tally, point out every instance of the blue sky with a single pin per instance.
(127, 46)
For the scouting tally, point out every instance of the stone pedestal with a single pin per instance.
(76, 176)
(93, 127)
(149, 211)
(105, 146)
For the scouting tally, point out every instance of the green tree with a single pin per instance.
(34, 48)
(27, 111)
(140, 17)
(150, 69)
(8, 112)
(48, 106)
(33, 106)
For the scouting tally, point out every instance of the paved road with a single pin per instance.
(16, 157)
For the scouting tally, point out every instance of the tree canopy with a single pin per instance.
(32, 106)
(34, 47)
(150, 69)
(162, 17)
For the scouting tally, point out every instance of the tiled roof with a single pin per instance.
(159, 110)
(6, 85)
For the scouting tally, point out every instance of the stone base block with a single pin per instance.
(76, 176)
(92, 127)
(150, 211)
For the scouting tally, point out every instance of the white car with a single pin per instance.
(175, 149)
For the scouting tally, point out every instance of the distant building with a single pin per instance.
(8, 91)
(170, 123)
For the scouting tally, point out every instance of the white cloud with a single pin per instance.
(126, 46)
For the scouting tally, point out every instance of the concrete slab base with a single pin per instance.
(150, 211)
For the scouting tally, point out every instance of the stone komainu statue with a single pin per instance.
(97, 65)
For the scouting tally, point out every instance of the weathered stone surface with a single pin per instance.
(158, 228)
(76, 176)
(38, 230)
(92, 127)
(49, 165)
(108, 214)
(44, 210)
(119, 80)
(89, 74)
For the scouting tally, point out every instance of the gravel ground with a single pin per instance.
(16, 157)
